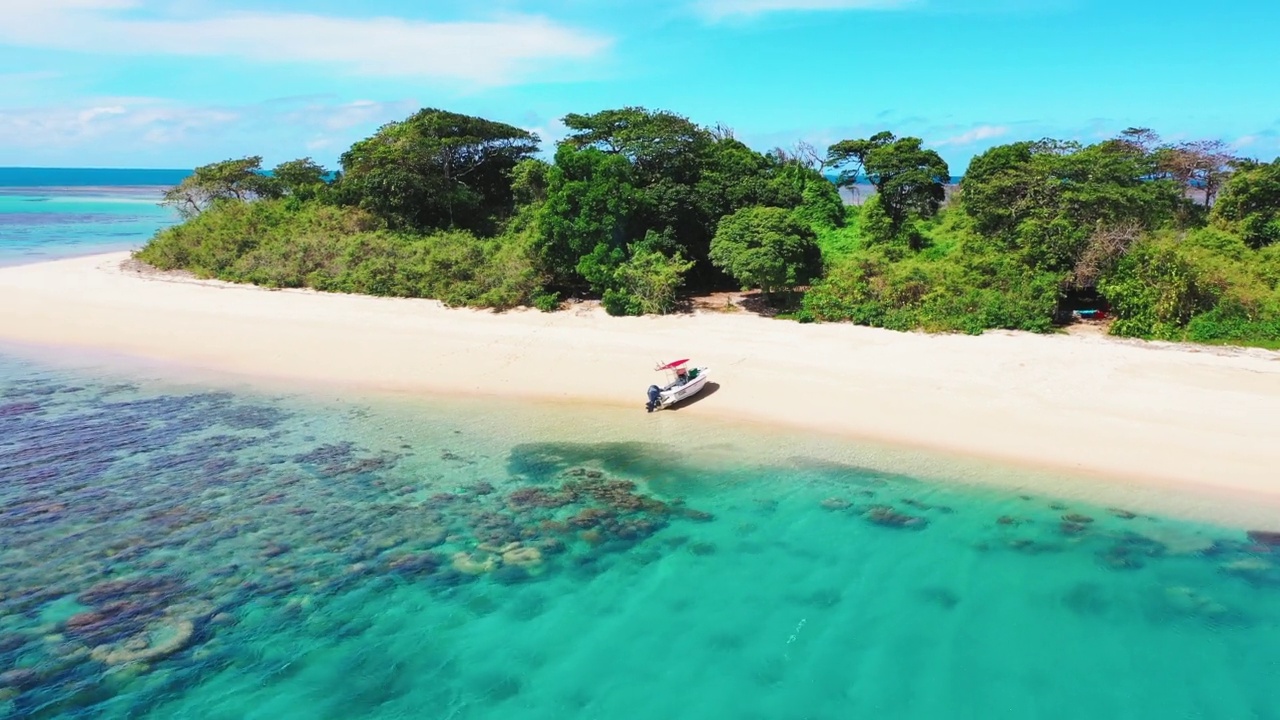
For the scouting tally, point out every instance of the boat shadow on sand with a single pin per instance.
(710, 389)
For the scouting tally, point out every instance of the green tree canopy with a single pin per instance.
(766, 247)
(997, 187)
(529, 181)
(638, 203)
(687, 178)
(1250, 203)
(645, 284)
(238, 179)
(816, 199)
(734, 176)
(1047, 199)
(437, 169)
(1202, 164)
(303, 178)
(909, 179)
(590, 201)
(669, 156)
(661, 145)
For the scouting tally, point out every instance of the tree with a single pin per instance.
(734, 176)
(909, 179)
(766, 247)
(815, 199)
(239, 180)
(1048, 199)
(646, 283)
(803, 153)
(529, 180)
(1250, 203)
(303, 178)
(584, 223)
(683, 179)
(1155, 290)
(1142, 140)
(660, 144)
(998, 186)
(437, 169)
(1202, 164)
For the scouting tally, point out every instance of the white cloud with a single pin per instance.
(982, 132)
(129, 131)
(150, 121)
(486, 52)
(29, 77)
(87, 116)
(550, 133)
(322, 113)
(1245, 141)
(717, 9)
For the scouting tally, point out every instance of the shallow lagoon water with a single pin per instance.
(173, 551)
(48, 223)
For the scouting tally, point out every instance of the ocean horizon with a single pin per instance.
(52, 213)
(32, 177)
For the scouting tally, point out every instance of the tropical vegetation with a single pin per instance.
(639, 208)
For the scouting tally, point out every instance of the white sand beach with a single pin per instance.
(1154, 413)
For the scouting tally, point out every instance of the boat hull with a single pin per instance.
(673, 395)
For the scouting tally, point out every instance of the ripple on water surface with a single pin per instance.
(204, 554)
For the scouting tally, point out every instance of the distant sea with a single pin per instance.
(173, 549)
(48, 213)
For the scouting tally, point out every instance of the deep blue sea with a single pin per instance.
(174, 547)
(48, 213)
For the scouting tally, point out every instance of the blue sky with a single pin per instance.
(176, 83)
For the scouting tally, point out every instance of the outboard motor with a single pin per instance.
(655, 393)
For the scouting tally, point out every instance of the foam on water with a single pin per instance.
(176, 552)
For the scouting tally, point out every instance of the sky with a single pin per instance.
(179, 83)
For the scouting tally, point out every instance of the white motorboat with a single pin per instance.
(685, 383)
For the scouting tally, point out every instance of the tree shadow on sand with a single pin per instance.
(765, 306)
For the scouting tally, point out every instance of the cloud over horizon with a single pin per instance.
(488, 52)
(131, 130)
(969, 137)
(718, 9)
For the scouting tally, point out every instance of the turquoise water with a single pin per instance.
(171, 551)
(45, 223)
(26, 177)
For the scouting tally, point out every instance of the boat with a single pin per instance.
(685, 383)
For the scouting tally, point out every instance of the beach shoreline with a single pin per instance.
(1200, 421)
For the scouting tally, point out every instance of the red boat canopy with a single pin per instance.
(674, 365)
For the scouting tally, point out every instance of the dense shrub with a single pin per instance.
(1250, 204)
(964, 292)
(1205, 286)
(287, 244)
(646, 284)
